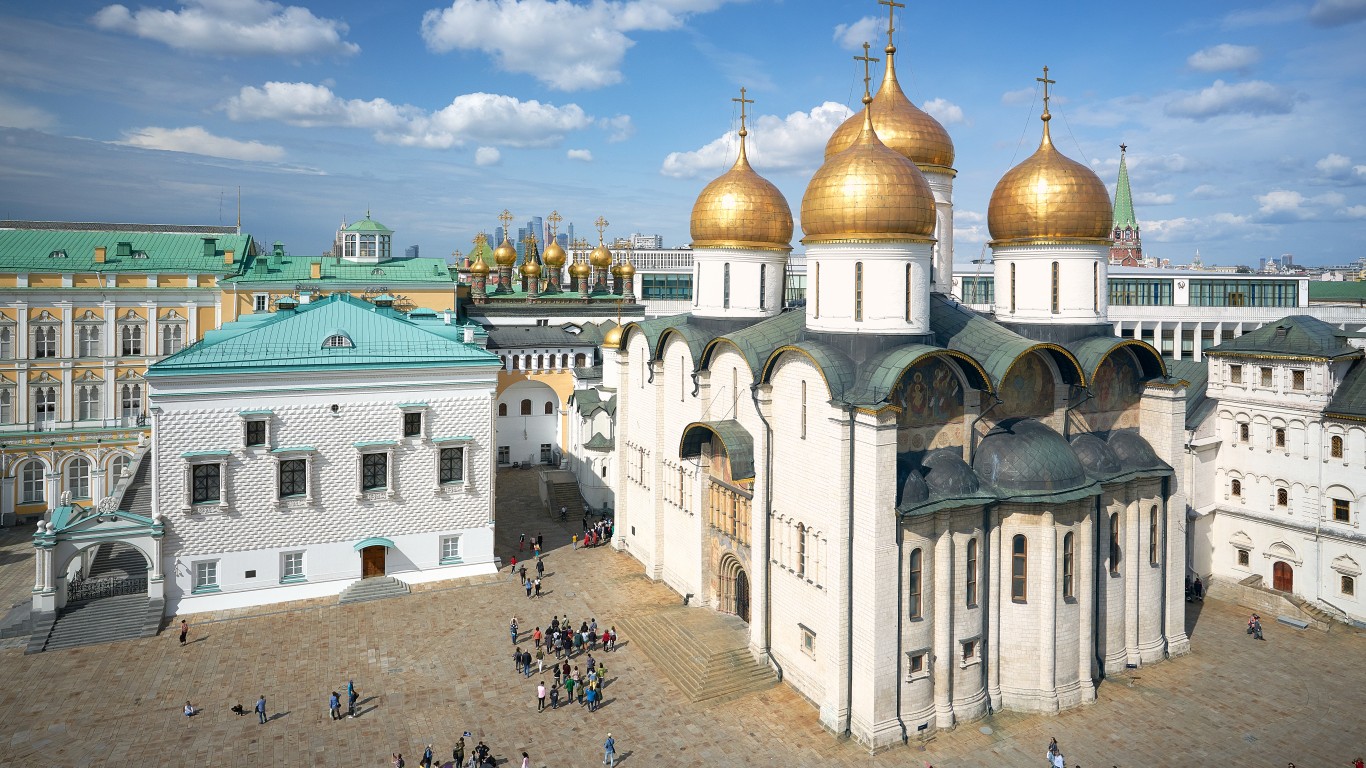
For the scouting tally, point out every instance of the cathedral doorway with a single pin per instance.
(1283, 577)
(742, 596)
(734, 587)
(372, 562)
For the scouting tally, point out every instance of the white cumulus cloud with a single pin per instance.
(565, 45)
(944, 111)
(970, 228)
(1254, 97)
(853, 36)
(196, 140)
(618, 127)
(1289, 205)
(1334, 164)
(580, 154)
(1153, 198)
(775, 143)
(310, 105)
(1355, 212)
(1186, 228)
(487, 156)
(1224, 57)
(232, 27)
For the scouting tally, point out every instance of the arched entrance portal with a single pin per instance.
(1283, 577)
(372, 562)
(734, 597)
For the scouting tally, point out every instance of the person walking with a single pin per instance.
(568, 687)
(526, 760)
(574, 541)
(512, 629)
(528, 586)
(184, 631)
(540, 541)
(521, 545)
(513, 569)
(351, 697)
(555, 694)
(458, 754)
(261, 709)
(609, 752)
(398, 760)
(540, 697)
(538, 586)
(540, 567)
(426, 761)
(536, 637)
(334, 705)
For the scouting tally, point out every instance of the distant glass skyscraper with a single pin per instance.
(410, 252)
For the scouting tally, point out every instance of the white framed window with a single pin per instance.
(260, 302)
(130, 340)
(1347, 585)
(205, 576)
(504, 454)
(31, 487)
(450, 549)
(78, 478)
(44, 341)
(44, 405)
(117, 466)
(255, 432)
(172, 338)
(88, 341)
(6, 406)
(292, 567)
(970, 652)
(374, 471)
(293, 478)
(808, 640)
(206, 483)
(130, 401)
(1235, 374)
(6, 342)
(338, 341)
(88, 402)
(918, 664)
(451, 466)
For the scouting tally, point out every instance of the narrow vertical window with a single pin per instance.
(1095, 287)
(1068, 565)
(1012, 288)
(682, 379)
(801, 551)
(1019, 569)
(803, 410)
(971, 590)
(816, 290)
(734, 391)
(725, 287)
(1054, 295)
(763, 286)
(1114, 544)
(1335, 447)
(913, 585)
(1152, 536)
(908, 293)
(858, 291)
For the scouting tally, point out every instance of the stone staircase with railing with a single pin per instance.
(706, 654)
(376, 588)
(566, 495)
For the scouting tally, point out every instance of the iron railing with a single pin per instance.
(82, 590)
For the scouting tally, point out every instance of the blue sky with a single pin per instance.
(1244, 120)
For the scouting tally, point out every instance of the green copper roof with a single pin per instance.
(758, 341)
(995, 347)
(368, 224)
(1091, 352)
(1297, 336)
(600, 443)
(1124, 201)
(269, 268)
(1196, 375)
(50, 250)
(738, 441)
(1338, 290)
(835, 367)
(1349, 401)
(370, 336)
(879, 375)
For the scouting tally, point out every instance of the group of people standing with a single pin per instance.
(598, 533)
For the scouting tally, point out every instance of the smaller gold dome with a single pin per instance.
(612, 339)
(900, 125)
(531, 269)
(554, 255)
(505, 255)
(580, 269)
(868, 192)
(626, 270)
(616, 270)
(1049, 197)
(601, 257)
(741, 209)
(478, 266)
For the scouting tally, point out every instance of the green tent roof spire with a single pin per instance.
(1124, 201)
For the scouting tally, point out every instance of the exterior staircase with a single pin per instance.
(706, 654)
(565, 494)
(377, 588)
(109, 619)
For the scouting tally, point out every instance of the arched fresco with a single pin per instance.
(930, 397)
(1116, 390)
(1027, 389)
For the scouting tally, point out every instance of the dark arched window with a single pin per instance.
(1152, 536)
(914, 584)
(725, 287)
(1114, 544)
(1019, 569)
(1235, 487)
(858, 291)
(502, 409)
(763, 285)
(1055, 296)
(1335, 447)
(1012, 287)
(1068, 565)
(972, 573)
(526, 407)
(549, 409)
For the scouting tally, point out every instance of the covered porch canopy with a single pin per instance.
(739, 445)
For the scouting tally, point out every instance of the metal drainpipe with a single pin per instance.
(1066, 422)
(1099, 582)
(1166, 542)
(900, 596)
(768, 530)
(984, 600)
(972, 428)
(849, 585)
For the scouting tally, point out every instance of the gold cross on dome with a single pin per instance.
(892, 5)
(505, 218)
(743, 101)
(554, 218)
(601, 224)
(1046, 82)
(867, 75)
(480, 239)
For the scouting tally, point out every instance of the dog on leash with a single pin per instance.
(238, 710)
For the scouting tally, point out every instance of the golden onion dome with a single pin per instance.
(741, 209)
(505, 255)
(580, 269)
(867, 192)
(478, 266)
(531, 269)
(626, 270)
(612, 339)
(554, 255)
(616, 270)
(1049, 197)
(900, 125)
(601, 257)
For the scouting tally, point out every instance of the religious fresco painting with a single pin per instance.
(930, 397)
(1116, 390)
(1028, 389)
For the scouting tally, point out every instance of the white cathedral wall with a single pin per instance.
(253, 530)
(756, 282)
(681, 555)
(1082, 293)
(636, 441)
(525, 434)
(810, 485)
(941, 183)
(831, 270)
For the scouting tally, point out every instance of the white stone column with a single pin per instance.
(1131, 566)
(944, 657)
(758, 527)
(52, 486)
(1048, 613)
(7, 511)
(994, 605)
(97, 483)
(1197, 351)
(1084, 571)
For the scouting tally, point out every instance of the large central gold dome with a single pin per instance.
(900, 125)
(1049, 197)
(741, 209)
(868, 192)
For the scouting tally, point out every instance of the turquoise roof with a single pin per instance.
(1124, 200)
(270, 268)
(1297, 337)
(739, 444)
(368, 224)
(39, 250)
(293, 340)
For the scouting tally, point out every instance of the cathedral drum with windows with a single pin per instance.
(921, 512)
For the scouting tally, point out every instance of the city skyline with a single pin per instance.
(1240, 121)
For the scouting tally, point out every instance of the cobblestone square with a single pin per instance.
(437, 663)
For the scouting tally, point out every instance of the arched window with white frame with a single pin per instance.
(44, 405)
(88, 400)
(32, 489)
(130, 401)
(78, 478)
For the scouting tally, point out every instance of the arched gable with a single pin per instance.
(836, 370)
(737, 441)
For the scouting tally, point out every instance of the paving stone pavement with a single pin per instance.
(436, 663)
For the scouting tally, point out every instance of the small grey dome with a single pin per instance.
(1025, 455)
(914, 490)
(1133, 451)
(1095, 456)
(949, 476)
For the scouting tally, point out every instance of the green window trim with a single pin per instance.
(293, 579)
(206, 589)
